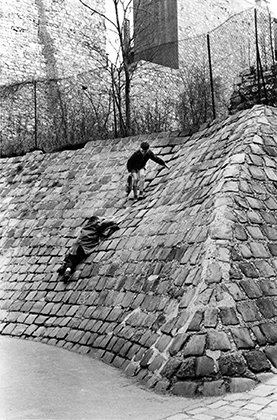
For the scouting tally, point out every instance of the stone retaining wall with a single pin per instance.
(250, 90)
(183, 296)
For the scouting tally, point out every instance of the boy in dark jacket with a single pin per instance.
(93, 230)
(136, 166)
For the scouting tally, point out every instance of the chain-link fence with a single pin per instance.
(53, 114)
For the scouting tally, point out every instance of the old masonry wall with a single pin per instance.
(184, 296)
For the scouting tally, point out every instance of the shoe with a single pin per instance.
(61, 269)
(67, 274)
(129, 185)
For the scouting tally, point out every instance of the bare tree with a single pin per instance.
(120, 65)
(129, 21)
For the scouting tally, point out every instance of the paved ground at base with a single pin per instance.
(41, 382)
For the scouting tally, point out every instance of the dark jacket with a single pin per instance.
(91, 233)
(138, 161)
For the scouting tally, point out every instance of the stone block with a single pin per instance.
(228, 315)
(187, 297)
(19, 329)
(38, 307)
(240, 233)
(270, 332)
(267, 308)
(270, 232)
(235, 273)
(177, 343)
(271, 203)
(213, 273)
(149, 338)
(211, 317)
(271, 354)
(218, 340)
(265, 269)
(156, 363)
(249, 311)
(272, 248)
(257, 361)
(146, 358)
(171, 367)
(187, 368)
(162, 386)
(248, 269)
(185, 389)
(257, 173)
(39, 332)
(258, 250)
(213, 388)
(261, 339)
(221, 231)
(254, 217)
(61, 333)
(254, 203)
(242, 338)
(241, 385)
(245, 251)
(40, 320)
(205, 295)
(30, 330)
(269, 287)
(195, 345)
(232, 365)
(251, 288)
(131, 369)
(205, 367)
(163, 342)
(196, 321)
(118, 361)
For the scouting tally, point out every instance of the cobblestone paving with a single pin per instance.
(259, 403)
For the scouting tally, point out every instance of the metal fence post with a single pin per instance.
(211, 74)
(259, 64)
(257, 54)
(35, 114)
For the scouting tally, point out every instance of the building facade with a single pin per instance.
(160, 24)
(51, 50)
(44, 39)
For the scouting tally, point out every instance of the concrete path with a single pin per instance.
(41, 382)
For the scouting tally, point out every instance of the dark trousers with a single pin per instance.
(72, 260)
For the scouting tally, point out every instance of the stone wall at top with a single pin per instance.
(251, 89)
(44, 39)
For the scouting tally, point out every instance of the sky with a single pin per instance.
(112, 41)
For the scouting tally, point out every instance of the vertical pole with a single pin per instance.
(271, 38)
(211, 74)
(35, 114)
(113, 100)
(257, 54)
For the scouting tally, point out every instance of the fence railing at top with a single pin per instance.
(51, 114)
(244, 41)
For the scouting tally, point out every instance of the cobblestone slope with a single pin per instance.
(183, 296)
